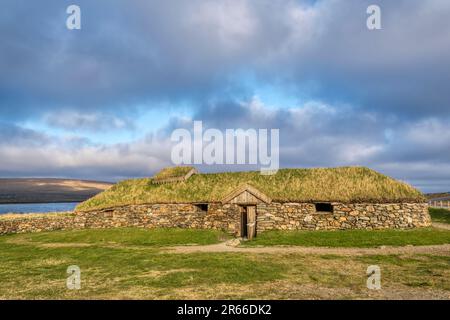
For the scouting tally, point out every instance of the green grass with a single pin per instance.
(419, 274)
(352, 238)
(128, 236)
(346, 184)
(440, 215)
(33, 266)
(172, 172)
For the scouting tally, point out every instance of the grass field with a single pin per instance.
(131, 264)
(353, 238)
(129, 236)
(359, 238)
(440, 215)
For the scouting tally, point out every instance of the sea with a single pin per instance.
(37, 207)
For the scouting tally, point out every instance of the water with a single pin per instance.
(37, 207)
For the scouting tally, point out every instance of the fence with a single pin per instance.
(439, 204)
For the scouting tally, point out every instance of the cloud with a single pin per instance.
(320, 134)
(311, 135)
(179, 50)
(77, 157)
(11, 134)
(376, 98)
(95, 122)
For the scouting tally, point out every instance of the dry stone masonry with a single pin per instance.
(227, 217)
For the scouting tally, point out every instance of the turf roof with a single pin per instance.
(345, 184)
(173, 173)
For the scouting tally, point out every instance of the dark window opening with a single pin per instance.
(202, 207)
(324, 207)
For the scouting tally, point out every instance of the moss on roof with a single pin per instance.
(346, 184)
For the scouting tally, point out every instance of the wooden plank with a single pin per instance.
(251, 222)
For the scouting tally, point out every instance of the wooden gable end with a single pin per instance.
(246, 195)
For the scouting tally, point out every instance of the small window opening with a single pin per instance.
(324, 207)
(202, 207)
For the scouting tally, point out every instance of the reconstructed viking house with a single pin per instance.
(247, 203)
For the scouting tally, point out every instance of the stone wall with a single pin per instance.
(303, 216)
(278, 216)
(23, 223)
(220, 217)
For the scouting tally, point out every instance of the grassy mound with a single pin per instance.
(346, 184)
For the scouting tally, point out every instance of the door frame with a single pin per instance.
(244, 221)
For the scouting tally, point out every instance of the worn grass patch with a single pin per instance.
(352, 238)
(346, 184)
(440, 215)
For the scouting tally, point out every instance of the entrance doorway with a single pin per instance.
(248, 222)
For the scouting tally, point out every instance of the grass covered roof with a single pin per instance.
(173, 174)
(345, 184)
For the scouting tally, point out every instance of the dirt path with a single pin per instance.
(438, 225)
(223, 247)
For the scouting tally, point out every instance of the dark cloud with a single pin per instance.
(376, 98)
(125, 54)
(130, 53)
(13, 135)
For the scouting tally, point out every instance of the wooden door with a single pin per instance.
(251, 222)
(243, 222)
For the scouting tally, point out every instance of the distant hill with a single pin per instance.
(438, 196)
(49, 190)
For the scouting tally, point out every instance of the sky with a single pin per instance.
(101, 102)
